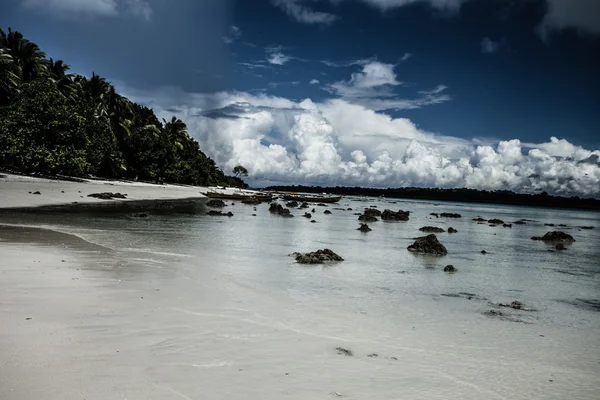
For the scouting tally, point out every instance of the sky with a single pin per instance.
(487, 94)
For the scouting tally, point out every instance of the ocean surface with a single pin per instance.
(414, 330)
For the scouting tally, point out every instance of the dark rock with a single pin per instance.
(562, 225)
(367, 218)
(251, 200)
(452, 230)
(431, 229)
(322, 205)
(307, 215)
(349, 209)
(220, 213)
(312, 221)
(429, 245)
(560, 246)
(327, 212)
(557, 236)
(313, 211)
(507, 225)
(276, 208)
(373, 212)
(449, 268)
(141, 215)
(519, 222)
(292, 204)
(548, 224)
(304, 205)
(389, 215)
(254, 215)
(317, 257)
(483, 252)
(587, 227)
(216, 203)
(450, 215)
(107, 196)
(496, 221)
(364, 228)
(536, 238)
(37, 192)
(346, 352)
(517, 305)
(374, 355)
(435, 215)
(479, 219)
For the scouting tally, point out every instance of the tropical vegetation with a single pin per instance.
(56, 122)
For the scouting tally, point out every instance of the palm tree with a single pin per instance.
(9, 80)
(27, 56)
(57, 71)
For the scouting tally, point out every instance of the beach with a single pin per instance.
(102, 305)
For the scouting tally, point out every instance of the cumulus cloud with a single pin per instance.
(300, 12)
(314, 82)
(105, 8)
(374, 85)
(340, 142)
(581, 15)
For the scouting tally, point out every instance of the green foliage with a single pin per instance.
(238, 170)
(56, 122)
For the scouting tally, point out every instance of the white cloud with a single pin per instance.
(581, 15)
(406, 56)
(105, 8)
(302, 13)
(234, 34)
(489, 46)
(314, 81)
(340, 142)
(439, 4)
(374, 80)
(276, 56)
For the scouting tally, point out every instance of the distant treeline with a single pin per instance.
(459, 195)
(55, 122)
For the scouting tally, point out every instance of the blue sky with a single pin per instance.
(301, 90)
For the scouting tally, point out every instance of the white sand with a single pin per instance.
(15, 191)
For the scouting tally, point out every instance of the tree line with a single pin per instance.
(56, 122)
(458, 194)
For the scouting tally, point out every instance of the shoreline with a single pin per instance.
(27, 193)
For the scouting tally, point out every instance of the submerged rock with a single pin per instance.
(519, 222)
(317, 257)
(428, 245)
(106, 195)
(557, 236)
(251, 200)
(276, 208)
(389, 215)
(343, 351)
(452, 230)
(216, 203)
(496, 221)
(548, 224)
(587, 227)
(517, 305)
(431, 229)
(449, 268)
(326, 212)
(140, 215)
(367, 218)
(322, 205)
(560, 246)
(435, 215)
(507, 225)
(364, 228)
(450, 215)
(304, 205)
(479, 219)
(292, 204)
(220, 213)
(307, 215)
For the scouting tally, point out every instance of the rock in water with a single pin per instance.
(317, 257)
(364, 228)
(483, 252)
(389, 215)
(507, 225)
(431, 229)
(373, 212)
(450, 215)
(107, 196)
(560, 246)
(435, 215)
(557, 236)
(452, 230)
(220, 213)
(326, 212)
(479, 219)
(517, 305)
(276, 208)
(304, 205)
(428, 245)
(449, 268)
(216, 203)
(367, 218)
(141, 215)
(292, 204)
(496, 221)
(251, 200)
(346, 352)
(307, 215)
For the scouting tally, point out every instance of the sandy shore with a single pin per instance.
(17, 192)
